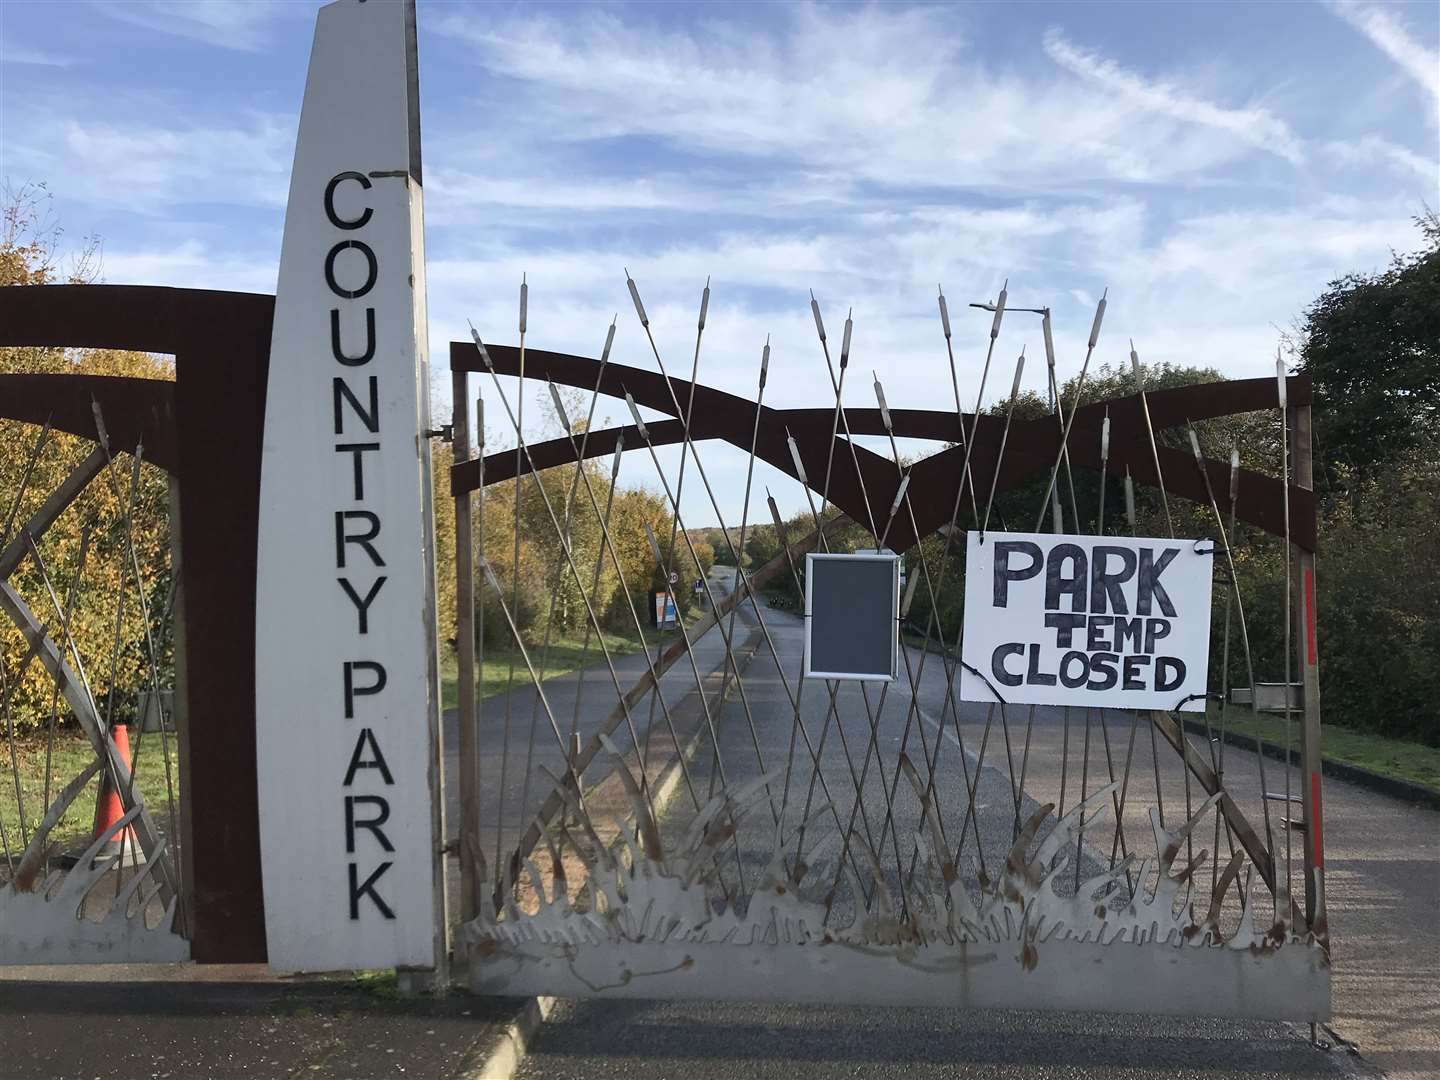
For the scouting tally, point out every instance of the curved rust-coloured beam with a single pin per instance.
(135, 410)
(716, 415)
(1032, 446)
(206, 428)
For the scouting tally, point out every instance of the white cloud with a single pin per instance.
(1212, 290)
(1254, 126)
(1390, 35)
(1371, 149)
(192, 265)
(242, 25)
(870, 153)
(883, 95)
(458, 197)
(1215, 289)
(150, 169)
(13, 53)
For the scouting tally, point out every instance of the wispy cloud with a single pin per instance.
(1209, 289)
(1372, 149)
(13, 52)
(460, 196)
(1254, 126)
(194, 265)
(1391, 36)
(867, 151)
(149, 168)
(885, 95)
(228, 24)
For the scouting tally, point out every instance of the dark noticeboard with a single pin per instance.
(852, 608)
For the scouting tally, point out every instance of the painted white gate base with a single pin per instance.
(651, 929)
(1288, 983)
(53, 924)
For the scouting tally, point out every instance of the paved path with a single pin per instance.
(1384, 879)
(204, 1023)
(577, 703)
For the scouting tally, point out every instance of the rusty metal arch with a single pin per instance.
(1032, 447)
(205, 430)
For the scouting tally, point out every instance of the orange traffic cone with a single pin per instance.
(109, 810)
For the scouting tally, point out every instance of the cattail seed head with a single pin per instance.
(635, 297)
(1095, 326)
(795, 457)
(819, 322)
(909, 595)
(999, 310)
(635, 414)
(609, 341)
(560, 412)
(900, 494)
(480, 346)
(654, 544)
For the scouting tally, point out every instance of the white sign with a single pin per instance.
(1101, 621)
(345, 620)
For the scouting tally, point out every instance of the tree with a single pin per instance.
(1371, 343)
(106, 605)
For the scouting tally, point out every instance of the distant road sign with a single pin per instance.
(674, 577)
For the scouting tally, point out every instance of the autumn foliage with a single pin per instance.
(106, 623)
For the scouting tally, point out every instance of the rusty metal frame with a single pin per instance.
(205, 429)
(1264, 980)
(1033, 444)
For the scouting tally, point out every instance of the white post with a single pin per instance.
(346, 655)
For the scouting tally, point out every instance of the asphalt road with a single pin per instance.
(1383, 881)
(523, 735)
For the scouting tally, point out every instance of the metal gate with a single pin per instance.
(106, 612)
(115, 895)
(697, 819)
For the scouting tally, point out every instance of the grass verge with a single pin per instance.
(70, 755)
(566, 654)
(1397, 758)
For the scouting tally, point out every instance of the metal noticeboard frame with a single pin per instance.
(810, 672)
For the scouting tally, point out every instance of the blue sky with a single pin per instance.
(1212, 165)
